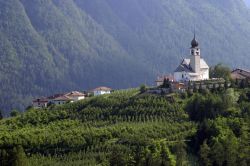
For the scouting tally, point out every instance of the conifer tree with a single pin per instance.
(148, 158)
(181, 154)
(3, 157)
(19, 156)
(1, 115)
(231, 149)
(166, 83)
(204, 154)
(14, 113)
(195, 90)
(217, 153)
(166, 157)
(214, 89)
(243, 83)
(237, 82)
(226, 84)
(143, 88)
(200, 88)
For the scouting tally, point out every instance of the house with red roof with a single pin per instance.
(75, 95)
(101, 91)
(240, 74)
(40, 103)
(58, 99)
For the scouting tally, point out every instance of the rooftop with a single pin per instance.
(74, 94)
(102, 89)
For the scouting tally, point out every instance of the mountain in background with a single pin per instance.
(51, 46)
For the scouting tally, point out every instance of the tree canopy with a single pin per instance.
(131, 128)
(220, 71)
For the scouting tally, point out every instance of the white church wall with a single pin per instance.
(194, 78)
(181, 76)
(205, 74)
(177, 76)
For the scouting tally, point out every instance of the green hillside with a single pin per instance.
(129, 128)
(52, 46)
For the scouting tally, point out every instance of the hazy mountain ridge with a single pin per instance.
(54, 46)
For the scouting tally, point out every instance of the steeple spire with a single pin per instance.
(194, 33)
(194, 42)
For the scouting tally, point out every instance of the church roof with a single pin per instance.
(102, 89)
(194, 42)
(62, 98)
(186, 67)
(204, 64)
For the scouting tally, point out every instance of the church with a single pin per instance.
(193, 68)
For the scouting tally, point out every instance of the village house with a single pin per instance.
(240, 74)
(75, 95)
(58, 99)
(193, 68)
(160, 79)
(40, 103)
(101, 91)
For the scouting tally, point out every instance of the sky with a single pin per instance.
(248, 2)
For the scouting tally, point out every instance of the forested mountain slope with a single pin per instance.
(49, 46)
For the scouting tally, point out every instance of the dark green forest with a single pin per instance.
(52, 46)
(131, 128)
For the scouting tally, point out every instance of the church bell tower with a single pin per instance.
(195, 55)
